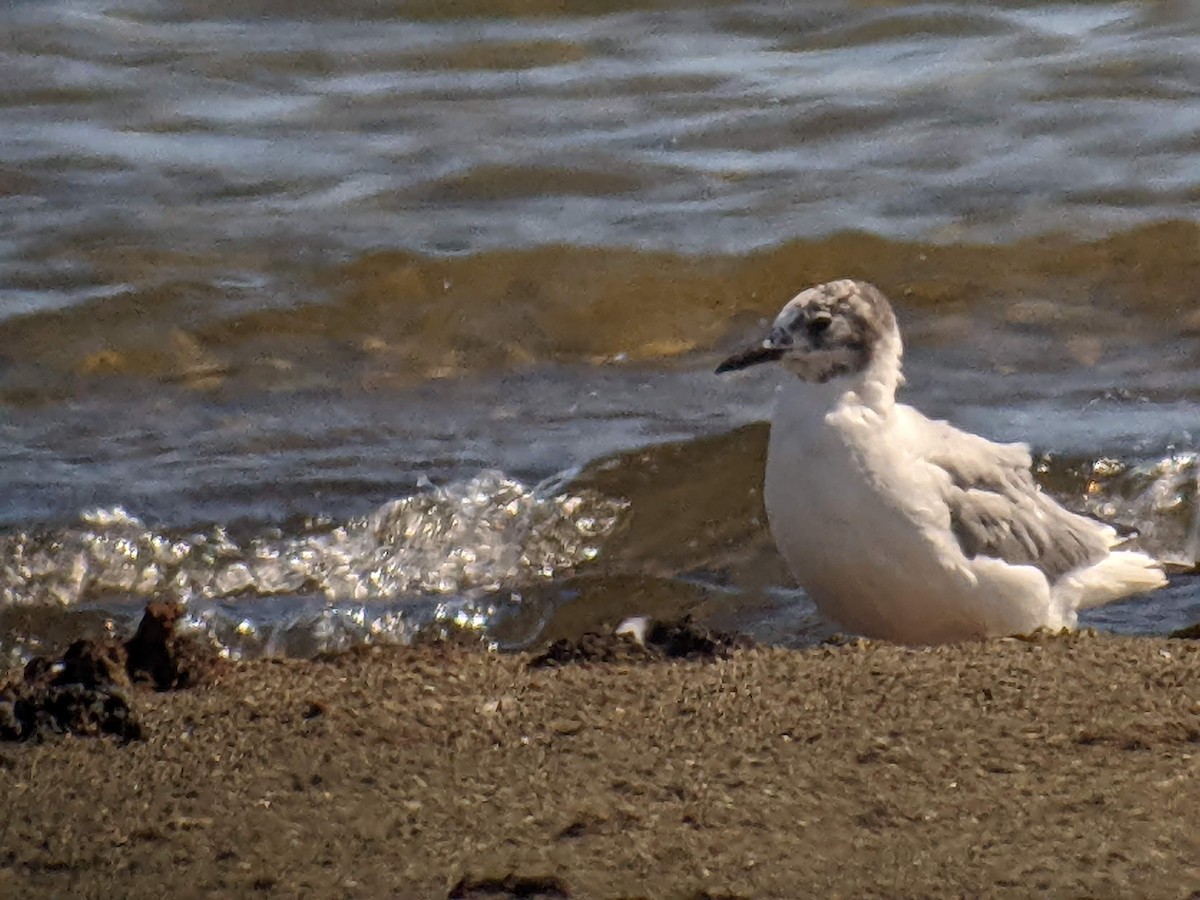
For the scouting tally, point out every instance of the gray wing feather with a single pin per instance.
(997, 510)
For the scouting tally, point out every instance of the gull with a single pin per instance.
(905, 528)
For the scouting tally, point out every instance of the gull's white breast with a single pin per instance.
(859, 518)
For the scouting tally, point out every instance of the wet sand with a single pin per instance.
(1067, 765)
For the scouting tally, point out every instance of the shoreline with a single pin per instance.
(1066, 764)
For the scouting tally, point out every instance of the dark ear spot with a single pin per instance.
(819, 322)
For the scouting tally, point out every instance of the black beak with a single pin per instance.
(769, 350)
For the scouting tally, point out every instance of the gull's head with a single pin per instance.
(839, 329)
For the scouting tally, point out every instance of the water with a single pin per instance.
(344, 325)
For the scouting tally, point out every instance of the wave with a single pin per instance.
(664, 530)
(445, 555)
(389, 319)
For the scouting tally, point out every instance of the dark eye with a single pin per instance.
(819, 323)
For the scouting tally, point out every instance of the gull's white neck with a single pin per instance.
(873, 390)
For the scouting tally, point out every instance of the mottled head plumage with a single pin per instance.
(827, 331)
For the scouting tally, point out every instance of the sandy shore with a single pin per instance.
(1065, 765)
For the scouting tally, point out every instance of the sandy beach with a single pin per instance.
(1063, 765)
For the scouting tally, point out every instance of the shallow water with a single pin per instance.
(318, 319)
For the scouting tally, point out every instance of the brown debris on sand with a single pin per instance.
(168, 660)
(511, 885)
(80, 694)
(85, 692)
(679, 639)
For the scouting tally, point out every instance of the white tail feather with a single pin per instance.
(1120, 574)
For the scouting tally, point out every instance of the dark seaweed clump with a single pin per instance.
(677, 639)
(86, 691)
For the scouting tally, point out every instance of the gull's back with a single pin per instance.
(997, 512)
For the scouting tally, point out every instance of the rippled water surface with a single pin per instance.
(340, 322)
(289, 128)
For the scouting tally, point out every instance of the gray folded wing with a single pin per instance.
(998, 511)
